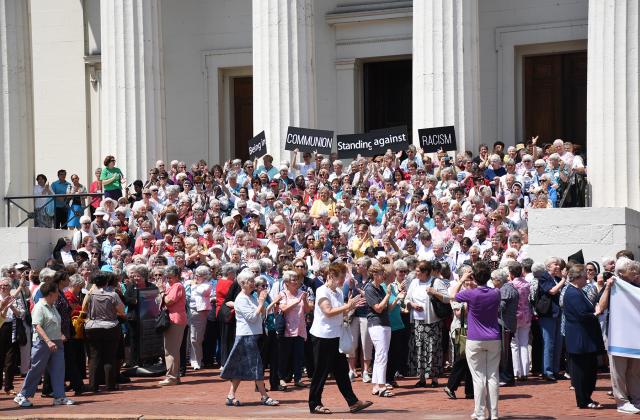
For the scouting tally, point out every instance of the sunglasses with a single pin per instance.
(299, 266)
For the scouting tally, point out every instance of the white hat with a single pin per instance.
(99, 212)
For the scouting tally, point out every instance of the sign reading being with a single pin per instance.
(308, 140)
(436, 138)
(373, 143)
(258, 146)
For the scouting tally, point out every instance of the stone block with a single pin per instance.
(599, 232)
(26, 243)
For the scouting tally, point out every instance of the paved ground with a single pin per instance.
(202, 395)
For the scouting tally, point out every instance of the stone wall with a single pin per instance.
(30, 244)
(599, 232)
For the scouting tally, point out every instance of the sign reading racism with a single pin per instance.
(308, 140)
(436, 138)
(258, 146)
(373, 143)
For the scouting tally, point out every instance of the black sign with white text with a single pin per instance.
(373, 143)
(309, 140)
(258, 146)
(436, 138)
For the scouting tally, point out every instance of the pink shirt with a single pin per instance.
(295, 325)
(177, 310)
(444, 235)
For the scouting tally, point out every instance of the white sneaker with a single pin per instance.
(63, 401)
(22, 401)
(352, 375)
(366, 378)
(626, 408)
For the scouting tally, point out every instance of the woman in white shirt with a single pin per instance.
(327, 326)
(428, 358)
(244, 362)
(199, 292)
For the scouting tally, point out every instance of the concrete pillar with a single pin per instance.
(16, 106)
(284, 82)
(613, 102)
(132, 96)
(446, 68)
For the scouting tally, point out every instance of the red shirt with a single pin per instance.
(222, 289)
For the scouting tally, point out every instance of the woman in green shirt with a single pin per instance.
(112, 179)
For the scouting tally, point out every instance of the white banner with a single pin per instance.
(624, 320)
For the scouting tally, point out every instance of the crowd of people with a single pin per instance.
(403, 265)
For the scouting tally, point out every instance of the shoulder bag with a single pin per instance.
(280, 322)
(346, 339)
(441, 309)
(541, 302)
(460, 335)
(163, 322)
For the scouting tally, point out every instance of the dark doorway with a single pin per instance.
(387, 94)
(242, 116)
(555, 97)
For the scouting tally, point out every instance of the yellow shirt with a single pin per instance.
(359, 246)
(319, 206)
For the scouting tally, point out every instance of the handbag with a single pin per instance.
(441, 309)
(346, 340)
(460, 334)
(280, 322)
(227, 314)
(77, 322)
(163, 322)
(541, 302)
(21, 332)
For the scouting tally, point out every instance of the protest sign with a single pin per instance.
(258, 146)
(150, 342)
(436, 138)
(373, 143)
(308, 140)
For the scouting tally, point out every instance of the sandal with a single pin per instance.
(385, 393)
(232, 402)
(321, 410)
(359, 406)
(269, 401)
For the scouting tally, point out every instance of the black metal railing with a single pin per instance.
(12, 200)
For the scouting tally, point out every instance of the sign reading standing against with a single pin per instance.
(308, 140)
(258, 146)
(373, 143)
(436, 138)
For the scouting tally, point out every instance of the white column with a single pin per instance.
(284, 83)
(16, 108)
(445, 68)
(613, 101)
(132, 97)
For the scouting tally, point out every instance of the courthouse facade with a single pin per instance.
(190, 79)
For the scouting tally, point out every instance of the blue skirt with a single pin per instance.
(244, 360)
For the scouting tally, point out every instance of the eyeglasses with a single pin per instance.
(299, 266)
(5, 286)
(403, 271)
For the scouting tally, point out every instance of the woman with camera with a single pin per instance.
(483, 337)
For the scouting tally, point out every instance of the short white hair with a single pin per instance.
(245, 276)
